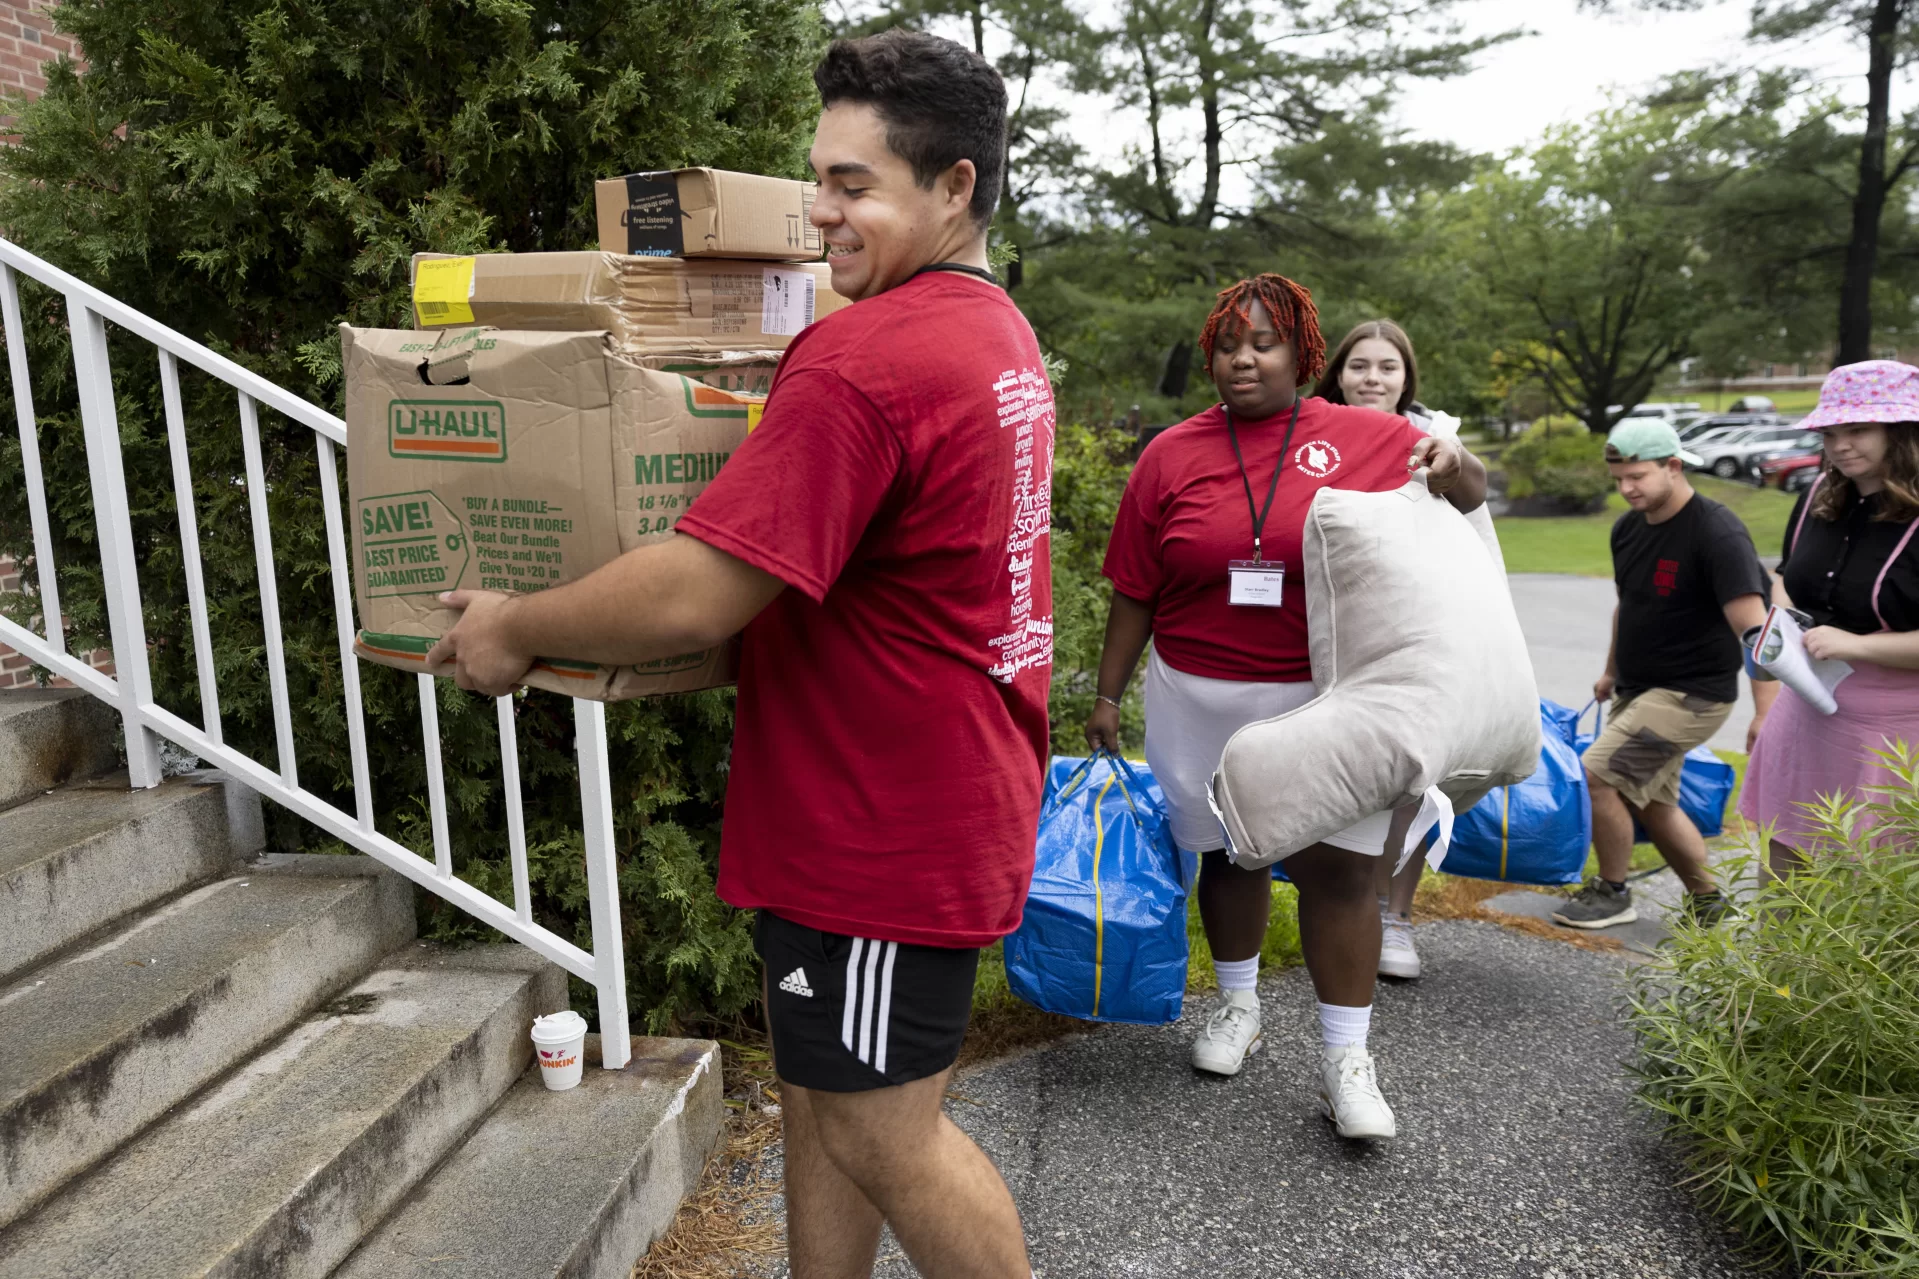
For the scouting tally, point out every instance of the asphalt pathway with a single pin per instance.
(1520, 1154)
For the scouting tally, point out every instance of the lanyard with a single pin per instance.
(960, 267)
(1259, 514)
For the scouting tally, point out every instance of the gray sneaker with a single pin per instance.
(1597, 905)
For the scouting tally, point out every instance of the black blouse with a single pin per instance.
(1831, 570)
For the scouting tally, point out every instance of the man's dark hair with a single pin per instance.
(942, 103)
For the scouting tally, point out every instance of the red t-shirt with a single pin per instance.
(891, 733)
(1184, 517)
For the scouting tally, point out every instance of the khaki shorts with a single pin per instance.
(1643, 746)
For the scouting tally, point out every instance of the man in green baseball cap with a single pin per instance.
(1689, 585)
(1647, 439)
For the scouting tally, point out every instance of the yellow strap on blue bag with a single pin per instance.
(1505, 814)
(1099, 898)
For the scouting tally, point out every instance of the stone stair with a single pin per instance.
(220, 1063)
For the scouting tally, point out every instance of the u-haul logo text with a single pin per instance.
(450, 430)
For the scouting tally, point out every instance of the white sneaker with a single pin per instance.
(1231, 1034)
(1349, 1095)
(1397, 958)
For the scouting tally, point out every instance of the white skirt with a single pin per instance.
(1188, 721)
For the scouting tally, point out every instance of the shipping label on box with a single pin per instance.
(651, 306)
(707, 213)
(493, 460)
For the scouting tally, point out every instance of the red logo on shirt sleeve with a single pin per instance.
(1666, 576)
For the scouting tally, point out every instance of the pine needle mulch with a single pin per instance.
(1448, 897)
(728, 1227)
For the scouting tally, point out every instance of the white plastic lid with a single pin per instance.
(557, 1028)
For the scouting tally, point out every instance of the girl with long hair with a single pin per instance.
(1373, 367)
(1851, 562)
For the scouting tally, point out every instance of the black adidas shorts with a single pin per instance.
(850, 1015)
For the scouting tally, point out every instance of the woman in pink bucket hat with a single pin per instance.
(1852, 563)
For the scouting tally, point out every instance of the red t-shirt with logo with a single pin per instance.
(891, 733)
(1184, 518)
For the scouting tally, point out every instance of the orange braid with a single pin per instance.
(1295, 318)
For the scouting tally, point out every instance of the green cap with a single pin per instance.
(1646, 439)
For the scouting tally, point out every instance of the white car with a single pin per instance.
(1727, 455)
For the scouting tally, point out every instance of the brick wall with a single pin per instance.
(27, 39)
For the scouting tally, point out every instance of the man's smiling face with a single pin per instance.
(879, 225)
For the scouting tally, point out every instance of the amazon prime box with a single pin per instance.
(707, 213)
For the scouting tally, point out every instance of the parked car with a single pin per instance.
(1752, 404)
(1793, 473)
(1697, 431)
(1728, 456)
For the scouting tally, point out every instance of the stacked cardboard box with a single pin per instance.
(569, 407)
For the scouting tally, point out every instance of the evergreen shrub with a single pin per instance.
(1561, 467)
(1781, 1049)
(254, 172)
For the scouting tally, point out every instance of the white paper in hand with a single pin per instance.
(1781, 649)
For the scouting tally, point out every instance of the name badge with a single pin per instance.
(1258, 583)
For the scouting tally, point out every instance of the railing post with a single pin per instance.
(120, 570)
(602, 881)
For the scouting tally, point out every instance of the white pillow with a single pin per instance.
(1423, 678)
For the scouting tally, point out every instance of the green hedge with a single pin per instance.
(1782, 1049)
(254, 173)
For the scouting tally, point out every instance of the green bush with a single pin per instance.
(254, 172)
(1782, 1050)
(1566, 465)
(1090, 466)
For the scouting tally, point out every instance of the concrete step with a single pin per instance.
(100, 1043)
(50, 736)
(82, 856)
(562, 1185)
(282, 1167)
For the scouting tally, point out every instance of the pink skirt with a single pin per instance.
(1802, 756)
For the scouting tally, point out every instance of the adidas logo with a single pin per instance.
(794, 983)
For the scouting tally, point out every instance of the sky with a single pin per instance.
(1565, 71)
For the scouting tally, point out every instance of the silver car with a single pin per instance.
(1726, 455)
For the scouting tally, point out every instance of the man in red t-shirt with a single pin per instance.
(882, 541)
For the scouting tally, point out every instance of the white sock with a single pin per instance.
(1342, 1027)
(1237, 974)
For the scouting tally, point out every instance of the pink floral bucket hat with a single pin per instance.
(1870, 391)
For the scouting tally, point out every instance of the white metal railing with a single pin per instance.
(130, 689)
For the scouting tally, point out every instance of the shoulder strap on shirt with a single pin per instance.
(1800, 523)
(1886, 568)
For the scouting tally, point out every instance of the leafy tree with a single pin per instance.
(1773, 178)
(1886, 29)
(254, 172)
(1584, 256)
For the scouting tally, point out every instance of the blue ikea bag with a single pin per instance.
(1538, 831)
(1705, 785)
(1104, 933)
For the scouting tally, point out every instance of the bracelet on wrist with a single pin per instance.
(1112, 702)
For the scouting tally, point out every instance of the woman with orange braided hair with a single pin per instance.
(1205, 561)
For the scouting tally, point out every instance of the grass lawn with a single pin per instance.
(1580, 544)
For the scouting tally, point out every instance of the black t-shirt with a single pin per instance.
(1831, 571)
(1675, 580)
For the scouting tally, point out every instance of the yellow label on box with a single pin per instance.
(753, 412)
(443, 290)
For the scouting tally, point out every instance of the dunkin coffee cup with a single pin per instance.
(559, 1041)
